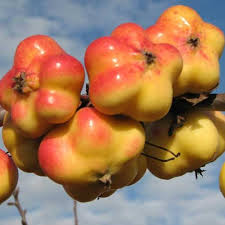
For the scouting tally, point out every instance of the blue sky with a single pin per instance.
(74, 24)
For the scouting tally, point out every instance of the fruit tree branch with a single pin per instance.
(202, 102)
(75, 212)
(17, 204)
(213, 102)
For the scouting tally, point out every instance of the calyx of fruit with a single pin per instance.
(43, 86)
(200, 44)
(130, 75)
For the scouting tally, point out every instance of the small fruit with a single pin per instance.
(142, 166)
(222, 180)
(200, 44)
(24, 151)
(130, 75)
(43, 86)
(199, 141)
(8, 176)
(92, 149)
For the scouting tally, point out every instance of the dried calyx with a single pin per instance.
(194, 42)
(19, 82)
(106, 180)
(188, 102)
(150, 58)
(198, 172)
(24, 83)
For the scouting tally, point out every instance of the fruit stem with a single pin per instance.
(17, 204)
(162, 148)
(161, 160)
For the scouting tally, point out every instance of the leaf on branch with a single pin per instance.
(194, 99)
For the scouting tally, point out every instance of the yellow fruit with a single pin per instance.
(200, 44)
(8, 176)
(199, 141)
(142, 166)
(222, 180)
(23, 150)
(92, 149)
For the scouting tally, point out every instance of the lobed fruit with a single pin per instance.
(200, 44)
(199, 141)
(92, 150)
(43, 86)
(130, 75)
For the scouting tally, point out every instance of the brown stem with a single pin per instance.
(84, 101)
(162, 148)
(17, 204)
(161, 160)
(75, 212)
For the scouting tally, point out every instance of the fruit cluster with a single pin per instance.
(97, 143)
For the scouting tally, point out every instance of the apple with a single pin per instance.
(200, 44)
(24, 151)
(8, 176)
(199, 141)
(92, 149)
(130, 75)
(142, 167)
(43, 86)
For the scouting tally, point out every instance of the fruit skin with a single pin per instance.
(24, 151)
(218, 119)
(142, 167)
(222, 180)
(107, 193)
(43, 86)
(176, 26)
(130, 75)
(92, 149)
(87, 192)
(8, 176)
(199, 141)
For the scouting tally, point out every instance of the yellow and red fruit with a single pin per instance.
(8, 176)
(92, 149)
(43, 86)
(24, 151)
(200, 44)
(199, 141)
(130, 75)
